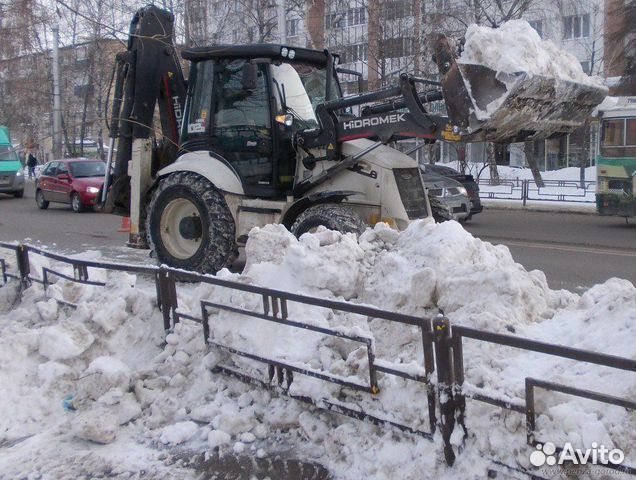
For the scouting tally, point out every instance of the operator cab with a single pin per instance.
(246, 102)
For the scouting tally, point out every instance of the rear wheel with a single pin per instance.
(41, 202)
(76, 203)
(332, 216)
(190, 225)
(18, 194)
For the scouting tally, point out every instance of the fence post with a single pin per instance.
(525, 186)
(167, 296)
(458, 378)
(429, 367)
(444, 364)
(24, 267)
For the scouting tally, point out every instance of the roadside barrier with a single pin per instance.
(443, 369)
(552, 191)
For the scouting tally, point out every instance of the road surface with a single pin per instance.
(575, 251)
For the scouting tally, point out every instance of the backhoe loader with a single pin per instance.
(263, 134)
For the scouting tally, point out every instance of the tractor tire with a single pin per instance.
(439, 210)
(332, 216)
(189, 224)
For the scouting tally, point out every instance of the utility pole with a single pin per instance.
(57, 112)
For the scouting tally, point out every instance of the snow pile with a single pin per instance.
(100, 384)
(428, 267)
(517, 47)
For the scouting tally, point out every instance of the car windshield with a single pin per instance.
(7, 154)
(87, 169)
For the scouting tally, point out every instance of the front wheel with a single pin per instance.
(18, 194)
(332, 216)
(76, 203)
(190, 225)
(41, 202)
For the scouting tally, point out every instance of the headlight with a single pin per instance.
(92, 190)
(463, 190)
(19, 173)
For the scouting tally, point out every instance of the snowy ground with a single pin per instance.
(85, 388)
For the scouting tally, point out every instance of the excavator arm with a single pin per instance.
(148, 74)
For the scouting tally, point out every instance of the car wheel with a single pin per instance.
(332, 216)
(190, 225)
(39, 199)
(18, 194)
(76, 203)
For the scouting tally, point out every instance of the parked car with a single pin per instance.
(11, 169)
(467, 181)
(451, 193)
(75, 181)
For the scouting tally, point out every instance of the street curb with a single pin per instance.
(518, 205)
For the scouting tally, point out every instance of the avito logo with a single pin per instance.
(545, 454)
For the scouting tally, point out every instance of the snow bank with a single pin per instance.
(516, 47)
(100, 385)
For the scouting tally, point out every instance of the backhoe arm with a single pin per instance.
(148, 73)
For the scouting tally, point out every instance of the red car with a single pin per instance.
(76, 181)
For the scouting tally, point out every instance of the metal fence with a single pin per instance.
(552, 191)
(442, 345)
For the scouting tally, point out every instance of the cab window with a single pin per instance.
(241, 131)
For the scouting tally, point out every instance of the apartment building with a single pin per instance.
(383, 38)
(26, 92)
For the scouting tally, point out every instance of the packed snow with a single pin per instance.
(517, 47)
(98, 390)
(514, 48)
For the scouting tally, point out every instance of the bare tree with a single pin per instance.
(622, 42)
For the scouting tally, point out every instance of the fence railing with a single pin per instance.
(442, 372)
(552, 191)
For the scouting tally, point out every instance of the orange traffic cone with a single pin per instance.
(125, 225)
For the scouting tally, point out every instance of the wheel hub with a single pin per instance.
(191, 227)
(181, 228)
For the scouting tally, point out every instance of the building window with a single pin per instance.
(353, 16)
(293, 27)
(538, 26)
(334, 20)
(398, 9)
(397, 47)
(356, 16)
(576, 26)
(441, 5)
(354, 53)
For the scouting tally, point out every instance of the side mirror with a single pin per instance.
(64, 176)
(249, 76)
